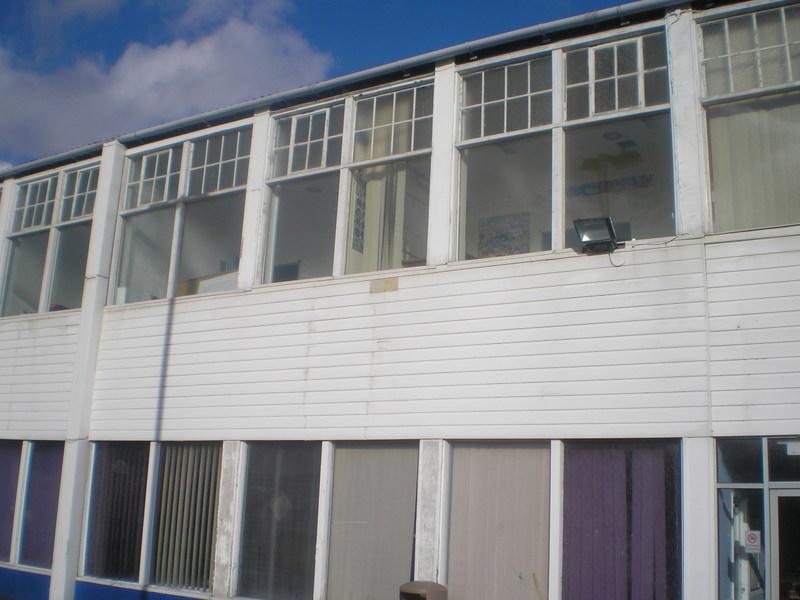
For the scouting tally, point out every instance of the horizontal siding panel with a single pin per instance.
(755, 396)
(770, 245)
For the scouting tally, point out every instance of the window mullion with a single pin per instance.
(557, 171)
(345, 177)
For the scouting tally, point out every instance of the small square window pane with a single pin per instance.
(578, 102)
(541, 109)
(89, 208)
(245, 139)
(654, 49)
(655, 88)
(404, 106)
(363, 140)
(318, 126)
(336, 120)
(774, 69)
(301, 128)
(517, 114)
(494, 117)
(281, 162)
(794, 52)
(741, 33)
(770, 28)
(473, 89)
(315, 154)
(423, 129)
(210, 183)
(175, 162)
(172, 188)
(494, 85)
(299, 157)
(28, 220)
(384, 109)
(38, 213)
(471, 123)
(364, 110)
(541, 73)
(69, 184)
(199, 153)
(402, 138)
(424, 103)
(214, 149)
(627, 91)
(241, 171)
(149, 166)
(577, 66)
(283, 135)
(79, 205)
(714, 40)
(147, 192)
(83, 182)
(48, 213)
(626, 58)
(226, 172)
(158, 189)
(135, 169)
(18, 219)
(739, 460)
(793, 23)
(133, 196)
(517, 80)
(382, 143)
(66, 210)
(229, 141)
(717, 77)
(161, 164)
(604, 63)
(334, 155)
(195, 181)
(784, 459)
(745, 76)
(605, 98)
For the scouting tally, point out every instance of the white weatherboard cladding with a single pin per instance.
(559, 346)
(754, 320)
(37, 358)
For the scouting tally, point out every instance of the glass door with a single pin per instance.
(785, 544)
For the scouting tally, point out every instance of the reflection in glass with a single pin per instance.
(389, 216)
(144, 262)
(24, 279)
(305, 227)
(70, 269)
(784, 459)
(506, 198)
(211, 245)
(739, 460)
(621, 169)
(741, 545)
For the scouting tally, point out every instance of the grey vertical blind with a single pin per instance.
(184, 520)
(372, 519)
(499, 521)
(9, 472)
(116, 510)
(280, 521)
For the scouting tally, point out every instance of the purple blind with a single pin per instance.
(9, 472)
(41, 504)
(622, 521)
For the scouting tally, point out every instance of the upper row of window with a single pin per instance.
(183, 205)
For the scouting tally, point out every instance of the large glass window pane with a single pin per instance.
(623, 170)
(305, 227)
(389, 216)
(280, 521)
(741, 564)
(506, 199)
(41, 504)
(116, 510)
(784, 459)
(70, 269)
(144, 261)
(9, 473)
(188, 481)
(622, 520)
(499, 521)
(372, 519)
(739, 460)
(211, 245)
(755, 162)
(24, 279)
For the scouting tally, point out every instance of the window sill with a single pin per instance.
(25, 568)
(53, 314)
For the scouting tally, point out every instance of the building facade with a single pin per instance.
(340, 338)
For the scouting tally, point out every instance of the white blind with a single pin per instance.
(499, 521)
(372, 520)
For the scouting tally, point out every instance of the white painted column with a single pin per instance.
(558, 157)
(430, 511)
(323, 521)
(692, 205)
(345, 178)
(699, 521)
(254, 225)
(556, 519)
(72, 500)
(230, 491)
(9, 201)
(442, 187)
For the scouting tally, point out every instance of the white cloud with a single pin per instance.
(4, 166)
(238, 60)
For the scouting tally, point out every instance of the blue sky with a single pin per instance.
(77, 71)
